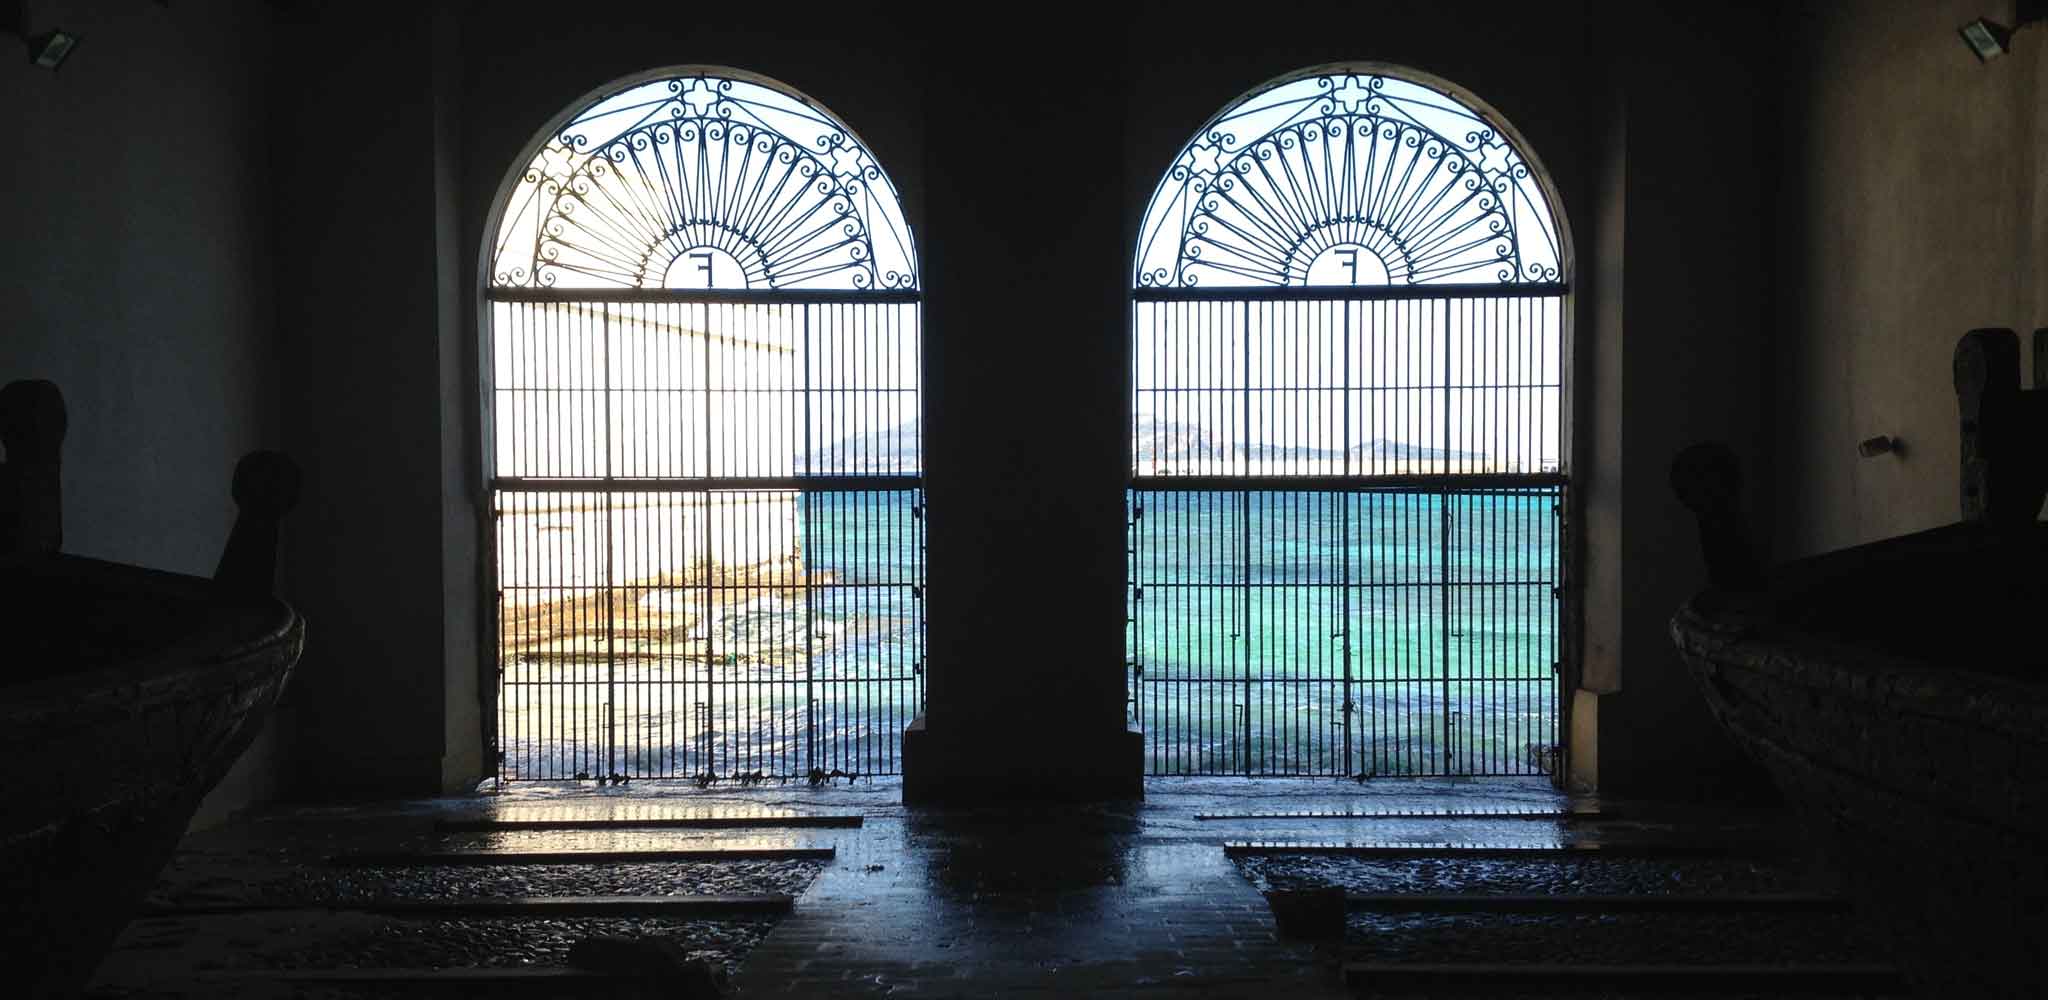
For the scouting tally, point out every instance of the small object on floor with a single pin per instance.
(652, 958)
(1308, 914)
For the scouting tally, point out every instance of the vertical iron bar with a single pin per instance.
(809, 557)
(1344, 705)
(1444, 543)
(611, 733)
(701, 732)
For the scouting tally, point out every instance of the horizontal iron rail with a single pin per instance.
(1544, 678)
(834, 390)
(1495, 978)
(715, 484)
(1190, 390)
(650, 823)
(420, 859)
(1387, 849)
(1355, 585)
(1353, 293)
(552, 907)
(1406, 482)
(733, 588)
(1404, 902)
(544, 659)
(1508, 813)
(742, 296)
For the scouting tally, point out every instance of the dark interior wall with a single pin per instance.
(1916, 186)
(463, 505)
(137, 275)
(1595, 512)
(137, 272)
(1025, 452)
(382, 554)
(1694, 291)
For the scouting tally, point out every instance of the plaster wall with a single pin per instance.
(137, 269)
(382, 559)
(1694, 289)
(1916, 183)
(137, 276)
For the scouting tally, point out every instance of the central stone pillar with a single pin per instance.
(1026, 423)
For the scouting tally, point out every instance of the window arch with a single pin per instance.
(782, 193)
(1409, 179)
(702, 326)
(1347, 330)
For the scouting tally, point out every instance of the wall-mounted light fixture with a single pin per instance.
(51, 48)
(47, 48)
(1990, 39)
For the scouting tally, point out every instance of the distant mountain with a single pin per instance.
(889, 452)
(1162, 440)
(1383, 448)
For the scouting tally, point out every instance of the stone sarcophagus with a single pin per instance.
(1898, 691)
(125, 695)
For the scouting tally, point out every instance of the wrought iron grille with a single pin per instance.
(1347, 486)
(707, 476)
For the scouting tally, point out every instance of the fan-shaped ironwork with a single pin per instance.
(1348, 179)
(704, 182)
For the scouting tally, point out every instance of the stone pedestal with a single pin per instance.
(965, 767)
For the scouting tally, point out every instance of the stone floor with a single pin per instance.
(1135, 899)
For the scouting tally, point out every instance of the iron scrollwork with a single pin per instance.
(704, 181)
(1348, 178)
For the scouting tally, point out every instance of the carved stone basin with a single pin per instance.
(1898, 693)
(133, 691)
(125, 695)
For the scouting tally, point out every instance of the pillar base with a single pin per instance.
(1582, 752)
(938, 770)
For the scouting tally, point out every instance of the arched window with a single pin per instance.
(702, 343)
(1347, 322)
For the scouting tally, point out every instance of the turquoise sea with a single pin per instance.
(1255, 617)
(1374, 633)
